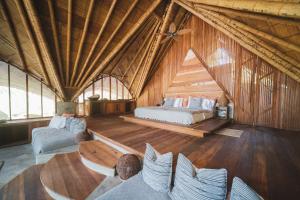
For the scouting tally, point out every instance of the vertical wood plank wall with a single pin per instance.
(262, 95)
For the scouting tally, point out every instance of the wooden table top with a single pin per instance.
(99, 153)
(65, 175)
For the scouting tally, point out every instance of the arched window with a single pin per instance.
(23, 96)
(107, 87)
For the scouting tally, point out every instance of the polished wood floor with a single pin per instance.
(267, 159)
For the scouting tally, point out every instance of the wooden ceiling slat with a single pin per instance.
(12, 29)
(117, 48)
(96, 41)
(33, 40)
(83, 36)
(108, 41)
(68, 50)
(44, 46)
(56, 41)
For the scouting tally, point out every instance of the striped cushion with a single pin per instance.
(241, 191)
(197, 184)
(157, 169)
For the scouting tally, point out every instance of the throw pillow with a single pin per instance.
(178, 102)
(208, 104)
(169, 102)
(195, 103)
(57, 122)
(157, 169)
(241, 191)
(197, 184)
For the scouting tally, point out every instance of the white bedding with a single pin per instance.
(184, 116)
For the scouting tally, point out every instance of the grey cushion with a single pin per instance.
(157, 169)
(241, 191)
(197, 184)
(134, 189)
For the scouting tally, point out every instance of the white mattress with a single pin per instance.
(175, 115)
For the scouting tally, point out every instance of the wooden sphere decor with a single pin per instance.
(128, 165)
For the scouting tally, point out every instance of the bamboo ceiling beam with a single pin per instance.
(108, 42)
(68, 53)
(282, 9)
(25, 21)
(12, 29)
(146, 50)
(138, 52)
(248, 15)
(243, 29)
(36, 24)
(96, 41)
(120, 44)
(245, 42)
(83, 36)
(159, 39)
(55, 37)
(262, 34)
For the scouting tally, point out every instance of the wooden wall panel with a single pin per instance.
(262, 95)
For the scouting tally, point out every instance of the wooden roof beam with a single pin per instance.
(128, 35)
(44, 46)
(83, 36)
(108, 42)
(96, 41)
(14, 34)
(56, 41)
(157, 44)
(276, 8)
(32, 38)
(69, 32)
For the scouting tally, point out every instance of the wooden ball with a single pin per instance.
(128, 165)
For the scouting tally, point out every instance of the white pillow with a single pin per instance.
(195, 103)
(208, 104)
(57, 122)
(178, 102)
(169, 102)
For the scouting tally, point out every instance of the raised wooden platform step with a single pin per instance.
(99, 157)
(200, 129)
(65, 177)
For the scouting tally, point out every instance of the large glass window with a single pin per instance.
(120, 90)
(22, 96)
(18, 94)
(106, 88)
(113, 89)
(88, 92)
(34, 98)
(4, 92)
(98, 88)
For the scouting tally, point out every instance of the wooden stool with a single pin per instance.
(128, 165)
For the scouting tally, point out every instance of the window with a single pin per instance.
(98, 88)
(120, 90)
(4, 92)
(18, 95)
(88, 92)
(23, 96)
(34, 98)
(106, 86)
(113, 88)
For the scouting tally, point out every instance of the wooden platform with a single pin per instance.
(200, 129)
(65, 177)
(266, 159)
(99, 157)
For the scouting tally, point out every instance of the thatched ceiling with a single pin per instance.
(68, 43)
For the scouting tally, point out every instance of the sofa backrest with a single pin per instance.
(75, 125)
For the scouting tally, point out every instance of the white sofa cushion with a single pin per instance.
(241, 191)
(157, 169)
(57, 122)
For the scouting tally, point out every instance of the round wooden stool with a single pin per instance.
(128, 165)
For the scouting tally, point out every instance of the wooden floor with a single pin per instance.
(267, 159)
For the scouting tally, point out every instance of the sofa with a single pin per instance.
(61, 132)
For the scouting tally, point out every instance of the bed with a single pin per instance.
(197, 110)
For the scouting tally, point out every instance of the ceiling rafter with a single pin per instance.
(12, 29)
(56, 41)
(44, 46)
(146, 51)
(120, 44)
(157, 43)
(283, 9)
(108, 41)
(83, 69)
(68, 53)
(137, 37)
(33, 40)
(83, 36)
(138, 53)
